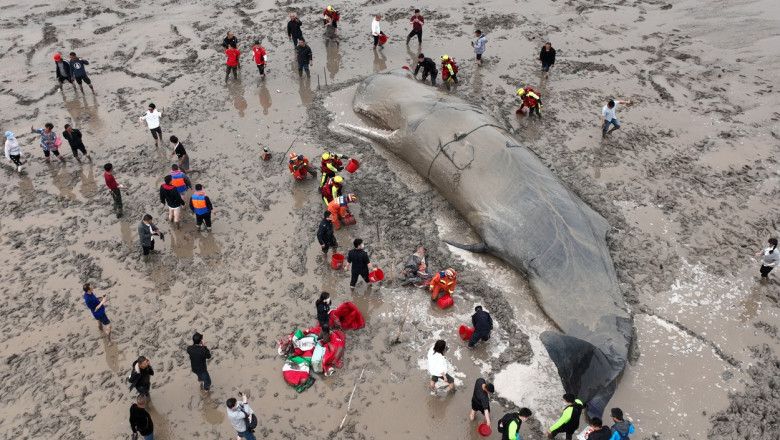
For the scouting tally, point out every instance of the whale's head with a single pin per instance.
(390, 99)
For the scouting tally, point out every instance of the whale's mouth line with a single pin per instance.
(381, 124)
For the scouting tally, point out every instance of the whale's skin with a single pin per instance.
(524, 214)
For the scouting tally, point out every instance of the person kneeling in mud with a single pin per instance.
(416, 269)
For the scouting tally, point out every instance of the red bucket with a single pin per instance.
(376, 275)
(337, 261)
(484, 430)
(300, 174)
(444, 301)
(382, 39)
(353, 165)
(349, 220)
(465, 332)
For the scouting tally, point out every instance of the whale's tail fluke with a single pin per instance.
(381, 136)
(478, 248)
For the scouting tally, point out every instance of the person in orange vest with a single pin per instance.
(444, 282)
(332, 189)
(180, 180)
(201, 205)
(532, 100)
(331, 164)
(298, 163)
(339, 208)
(449, 70)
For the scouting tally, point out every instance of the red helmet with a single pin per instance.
(57, 57)
(293, 156)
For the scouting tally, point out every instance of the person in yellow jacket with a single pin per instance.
(332, 189)
(532, 100)
(570, 418)
(331, 164)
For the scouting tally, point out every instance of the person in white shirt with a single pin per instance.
(376, 31)
(437, 365)
(152, 119)
(608, 116)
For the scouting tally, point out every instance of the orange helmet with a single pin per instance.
(451, 273)
(293, 156)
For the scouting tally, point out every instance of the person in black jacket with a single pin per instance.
(171, 197)
(360, 262)
(140, 420)
(325, 234)
(230, 40)
(198, 354)
(547, 58)
(304, 57)
(140, 376)
(323, 311)
(428, 66)
(62, 71)
(294, 32)
(483, 325)
(73, 135)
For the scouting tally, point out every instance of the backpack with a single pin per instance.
(454, 65)
(249, 419)
(503, 424)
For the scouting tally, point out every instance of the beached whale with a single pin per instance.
(524, 214)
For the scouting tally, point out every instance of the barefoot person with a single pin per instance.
(170, 197)
(437, 365)
(480, 399)
(479, 46)
(152, 119)
(49, 141)
(12, 151)
(771, 258)
(608, 116)
(73, 136)
(97, 307)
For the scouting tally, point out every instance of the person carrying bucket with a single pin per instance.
(332, 189)
(339, 208)
(361, 264)
(331, 164)
(483, 325)
(444, 281)
(325, 234)
(299, 166)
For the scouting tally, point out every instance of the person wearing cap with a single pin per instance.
(73, 136)
(479, 45)
(79, 72)
(62, 71)
(201, 205)
(443, 282)
(232, 55)
(449, 70)
(361, 265)
(330, 165)
(152, 119)
(181, 154)
(332, 189)
(428, 67)
(12, 151)
(97, 307)
(325, 235)
(339, 208)
(260, 56)
(483, 326)
(114, 188)
(417, 21)
(333, 14)
(531, 100)
(547, 58)
(300, 162)
(376, 31)
(480, 399)
(170, 197)
(570, 418)
(621, 428)
(49, 141)
(608, 116)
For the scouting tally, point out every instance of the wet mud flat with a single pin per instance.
(688, 184)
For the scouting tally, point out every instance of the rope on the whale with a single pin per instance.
(459, 138)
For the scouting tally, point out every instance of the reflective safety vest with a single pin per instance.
(448, 69)
(199, 203)
(446, 283)
(178, 181)
(331, 189)
(295, 164)
(331, 166)
(530, 99)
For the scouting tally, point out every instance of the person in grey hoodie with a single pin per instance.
(237, 413)
(12, 151)
(479, 45)
(78, 72)
(146, 232)
(771, 258)
(622, 428)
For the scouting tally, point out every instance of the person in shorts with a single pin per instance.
(437, 365)
(97, 307)
(479, 45)
(152, 119)
(79, 72)
(480, 400)
(170, 197)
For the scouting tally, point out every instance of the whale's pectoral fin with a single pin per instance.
(584, 369)
(479, 248)
(383, 137)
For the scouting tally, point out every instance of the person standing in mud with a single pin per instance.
(376, 31)
(428, 67)
(259, 54)
(170, 197)
(361, 264)
(97, 307)
(331, 31)
(304, 57)
(12, 151)
(417, 22)
(201, 206)
(480, 399)
(146, 232)
(49, 141)
(237, 413)
(294, 32)
(73, 136)
(479, 46)
(771, 258)
(114, 188)
(199, 354)
(323, 311)
(230, 40)
(232, 62)
(152, 119)
(181, 154)
(140, 376)
(62, 71)
(79, 72)
(325, 235)
(570, 418)
(608, 116)
(547, 58)
(140, 420)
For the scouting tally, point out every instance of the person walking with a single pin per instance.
(417, 21)
(361, 264)
(180, 180)
(114, 188)
(771, 258)
(140, 376)
(304, 57)
(331, 30)
(146, 232)
(13, 153)
(428, 67)
(480, 399)
(181, 154)
(73, 136)
(201, 206)
(325, 235)
(97, 307)
(50, 143)
(437, 365)
(232, 62)
(152, 119)
(332, 13)
(237, 413)
(479, 46)
(294, 32)
(449, 70)
(170, 197)
(621, 428)
(323, 311)
(199, 354)
(483, 325)
(376, 31)
(79, 72)
(570, 418)
(260, 57)
(62, 71)
(608, 116)
(547, 58)
(140, 420)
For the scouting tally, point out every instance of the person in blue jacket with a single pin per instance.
(78, 72)
(621, 428)
(97, 307)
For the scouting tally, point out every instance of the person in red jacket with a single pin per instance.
(232, 62)
(339, 208)
(259, 53)
(300, 167)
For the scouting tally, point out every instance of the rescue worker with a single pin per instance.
(331, 12)
(570, 418)
(332, 189)
(531, 100)
(201, 205)
(180, 180)
(444, 282)
(428, 67)
(449, 70)
(331, 164)
(339, 208)
(300, 162)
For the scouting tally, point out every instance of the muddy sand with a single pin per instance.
(689, 184)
